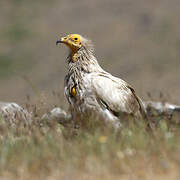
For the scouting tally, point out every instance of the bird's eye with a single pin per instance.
(76, 39)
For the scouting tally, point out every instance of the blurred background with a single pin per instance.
(138, 41)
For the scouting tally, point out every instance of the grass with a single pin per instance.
(94, 151)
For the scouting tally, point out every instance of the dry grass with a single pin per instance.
(48, 150)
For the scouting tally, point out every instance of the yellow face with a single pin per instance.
(73, 41)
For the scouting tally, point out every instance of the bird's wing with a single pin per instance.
(117, 95)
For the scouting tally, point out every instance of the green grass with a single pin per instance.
(51, 151)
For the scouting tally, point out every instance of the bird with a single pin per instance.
(91, 91)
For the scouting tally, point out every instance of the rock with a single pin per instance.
(57, 114)
(13, 113)
(161, 107)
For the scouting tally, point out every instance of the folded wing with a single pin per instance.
(116, 94)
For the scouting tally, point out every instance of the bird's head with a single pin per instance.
(75, 42)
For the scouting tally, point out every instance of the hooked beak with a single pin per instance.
(61, 40)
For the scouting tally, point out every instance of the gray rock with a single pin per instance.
(161, 107)
(57, 114)
(13, 113)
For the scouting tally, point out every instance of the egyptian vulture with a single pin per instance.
(91, 90)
